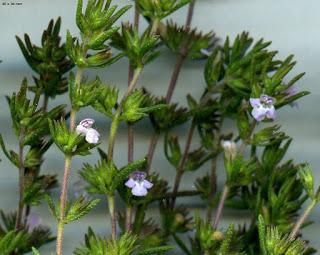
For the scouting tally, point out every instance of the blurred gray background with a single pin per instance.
(292, 25)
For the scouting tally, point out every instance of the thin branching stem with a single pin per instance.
(223, 198)
(130, 125)
(21, 180)
(63, 201)
(302, 219)
(180, 168)
(172, 84)
(66, 175)
(213, 171)
(112, 136)
(151, 150)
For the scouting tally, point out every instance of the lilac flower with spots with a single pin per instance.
(291, 91)
(263, 107)
(33, 221)
(85, 128)
(138, 184)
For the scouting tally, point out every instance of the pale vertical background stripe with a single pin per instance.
(292, 25)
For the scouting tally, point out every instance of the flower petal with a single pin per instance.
(255, 102)
(139, 190)
(130, 183)
(259, 113)
(81, 130)
(87, 123)
(271, 113)
(147, 184)
(92, 135)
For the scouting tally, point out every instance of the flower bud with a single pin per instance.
(230, 149)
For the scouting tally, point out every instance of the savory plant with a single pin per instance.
(245, 84)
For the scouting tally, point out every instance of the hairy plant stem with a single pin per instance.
(129, 208)
(172, 84)
(112, 136)
(152, 148)
(115, 120)
(213, 171)
(21, 180)
(180, 168)
(223, 198)
(155, 26)
(213, 187)
(63, 202)
(45, 102)
(112, 211)
(66, 175)
(302, 219)
(129, 212)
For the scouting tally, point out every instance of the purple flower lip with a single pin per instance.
(138, 176)
(267, 100)
(263, 107)
(87, 123)
(138, 184)
(85, 128)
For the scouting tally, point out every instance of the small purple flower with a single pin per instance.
(263, 107)
(138, 184)
(33, 221)
(291, 91)
(85, 128)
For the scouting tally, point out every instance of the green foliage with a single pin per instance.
(79, 208)
(140, 50)
(157, 10)
(93, 245)
(125, 245)
(273, 242)
(172, 149)
(189, 43)
(35, 251)
(10, 241)
(167, 117)
(174, 220)
(49, 61)
(262, 182)
(27, 238)
(105, 177)
(36, 187)
(268, 135)
(84, 94)
(97, 26)
(307, 181)
(196, 159)
(106, 100)
(69, 142)
(240, 172)
(134, 107)
(249, 70)
(209, 241)
(74, 209)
